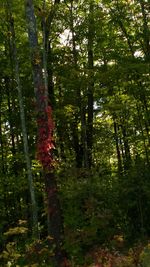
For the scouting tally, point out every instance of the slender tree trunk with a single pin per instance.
(50, 76)
(122, 149)
(117, 148)
(81, 144)
(91, 84)
(45, 139)
(127, 160)
(76, 144)
(23, 125)
(84, 137)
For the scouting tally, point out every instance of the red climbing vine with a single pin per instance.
(45, 142)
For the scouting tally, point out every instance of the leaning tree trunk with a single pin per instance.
(45, 142)
(23, 123)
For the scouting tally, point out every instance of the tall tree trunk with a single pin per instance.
(47, 53)
(43, 23)
(81, 143)
(23, 124)
(45, 142)
(91, 84)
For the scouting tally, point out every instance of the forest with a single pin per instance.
(75, 133)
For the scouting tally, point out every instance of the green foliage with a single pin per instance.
(145, 256)
(10, 255)
(32, 253)
(89, 209)
(112, 199)
(134, 200)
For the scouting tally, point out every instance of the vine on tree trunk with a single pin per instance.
(45, 142)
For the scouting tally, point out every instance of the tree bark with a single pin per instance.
(23, 125)
(45, 141)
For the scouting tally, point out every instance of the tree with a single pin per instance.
(90, 65)
(14, 59)
(45, 142)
